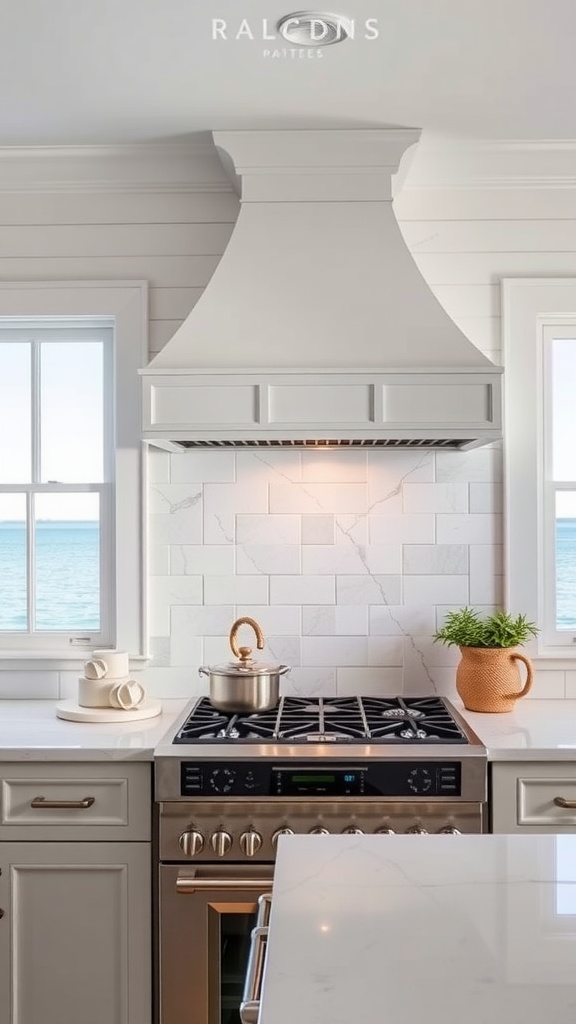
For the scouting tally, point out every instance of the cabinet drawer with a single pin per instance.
(536, 802)
(71, 801)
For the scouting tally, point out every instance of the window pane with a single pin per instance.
(71, 411)
(15, 428)
(67, 562)
(13, 611)
(566, 560)
(564, 408)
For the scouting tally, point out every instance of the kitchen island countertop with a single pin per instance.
(405, 929)
(30, 731)
(535, 730)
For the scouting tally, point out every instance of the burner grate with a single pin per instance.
(328, 719)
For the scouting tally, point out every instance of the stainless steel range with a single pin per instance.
(230, 786)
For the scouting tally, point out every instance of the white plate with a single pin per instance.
(74, 712)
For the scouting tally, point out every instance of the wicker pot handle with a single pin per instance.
(529, 677)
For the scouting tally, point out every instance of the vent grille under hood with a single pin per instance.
(317, 327)
(375, 442)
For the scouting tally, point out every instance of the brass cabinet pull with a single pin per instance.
(41, 803)
(189, 885)
(561, 801)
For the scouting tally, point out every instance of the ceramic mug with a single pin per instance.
(107, 664)
(127, 695)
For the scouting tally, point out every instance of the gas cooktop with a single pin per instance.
(394, 720)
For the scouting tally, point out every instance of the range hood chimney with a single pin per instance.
(317, 327)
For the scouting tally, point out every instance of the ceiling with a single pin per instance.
(109, 71)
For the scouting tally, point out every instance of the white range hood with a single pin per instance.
(317, 327)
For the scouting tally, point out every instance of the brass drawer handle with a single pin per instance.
(41, 803)
(561, 801)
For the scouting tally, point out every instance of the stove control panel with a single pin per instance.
(309, 779)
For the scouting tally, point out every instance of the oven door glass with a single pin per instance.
(206, 918)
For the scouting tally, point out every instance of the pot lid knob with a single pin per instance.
(243, 653)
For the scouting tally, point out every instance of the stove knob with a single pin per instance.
(352, 831)
(221, 843)
(250, 842)
(191, 843)
(449, 830)
(281, 832)
(319, 831)
(416, 830)
(384, 832)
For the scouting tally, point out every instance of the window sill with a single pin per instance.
(561, 660)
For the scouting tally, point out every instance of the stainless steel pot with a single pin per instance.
(246, 685)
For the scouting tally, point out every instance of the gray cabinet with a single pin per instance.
(75, 934)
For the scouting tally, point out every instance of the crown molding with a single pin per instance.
(147, 167)
(492, 164)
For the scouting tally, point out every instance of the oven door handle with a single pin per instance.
(250, 1005)
(190, 883)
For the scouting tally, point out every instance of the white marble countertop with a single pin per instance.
(536, 730)
(404, 929)
(30, 731)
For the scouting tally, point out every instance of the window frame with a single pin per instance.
(37, 332)
(124, 306)
(534, 310)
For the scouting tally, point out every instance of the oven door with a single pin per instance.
(206, 918)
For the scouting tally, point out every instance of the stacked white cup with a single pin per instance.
(106, 682)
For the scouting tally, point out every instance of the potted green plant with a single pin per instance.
(487, 677)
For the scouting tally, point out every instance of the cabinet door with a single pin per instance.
(75, 937)
(534, 797)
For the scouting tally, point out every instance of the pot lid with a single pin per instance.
(246, 668)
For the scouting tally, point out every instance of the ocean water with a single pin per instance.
(566, 573)
(67, 576)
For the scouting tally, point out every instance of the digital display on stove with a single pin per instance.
(318, 783)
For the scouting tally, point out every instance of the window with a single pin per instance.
(71, 536)
(540, 389)
(559, 484)
(56, 483)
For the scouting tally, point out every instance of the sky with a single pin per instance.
(71, 425)
(564, 421)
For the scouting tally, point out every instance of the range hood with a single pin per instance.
(317, 327)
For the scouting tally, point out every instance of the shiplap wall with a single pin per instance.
(474, 213)
(168, 224)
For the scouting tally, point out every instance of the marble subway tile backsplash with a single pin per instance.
(349, 560)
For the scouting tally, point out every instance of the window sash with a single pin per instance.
(36, 332)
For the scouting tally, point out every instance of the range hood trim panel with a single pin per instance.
(246, 406)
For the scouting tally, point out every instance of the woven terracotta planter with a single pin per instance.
(488, 678)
